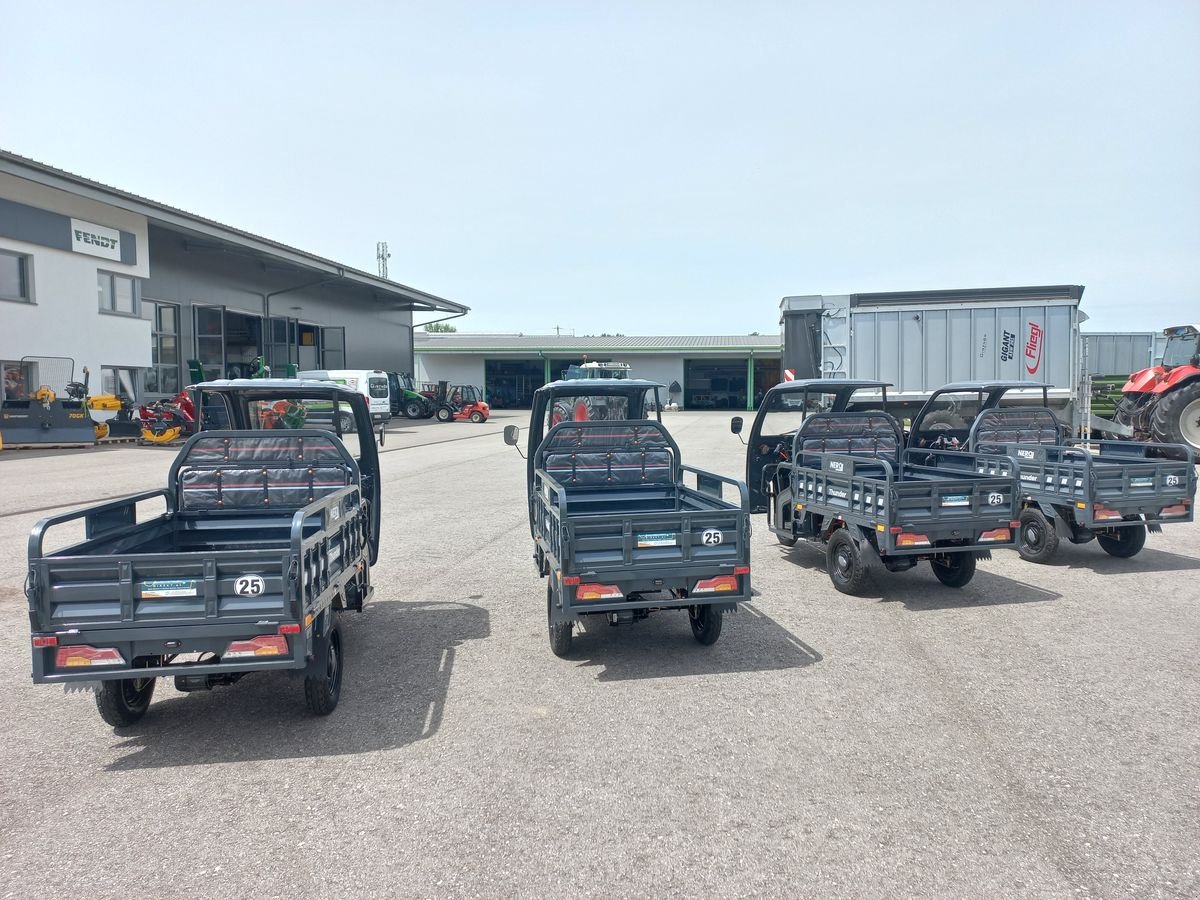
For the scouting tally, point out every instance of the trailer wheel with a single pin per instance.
(954, 569)
(477, 417)
(1038, 541)
(706, 623)
(1176, 417)
(123, 703)
(414, 409)
(323, 689)
(1123, 542)
(847, 569)
(560, 632)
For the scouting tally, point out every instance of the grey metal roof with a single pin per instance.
(425, 342)
(175, 219)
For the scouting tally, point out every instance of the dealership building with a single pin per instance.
(134, 290)
(712, 372)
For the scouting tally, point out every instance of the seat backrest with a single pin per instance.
(245, 470)
(608, 454)
(994, 428)
(874, 435)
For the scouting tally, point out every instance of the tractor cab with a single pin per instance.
(944, 422)
(1182, 348)
(784, 409)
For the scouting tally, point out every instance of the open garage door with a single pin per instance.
(511, 382)
(714, 383)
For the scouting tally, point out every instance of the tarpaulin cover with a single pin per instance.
(874, 435)
(996, 427)
(625, 454)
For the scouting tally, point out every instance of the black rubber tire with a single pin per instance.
(1122, 542)
(847, 569)
(414, 409)
(123, 703)
(945, 419)
(785, 539)
(478, 418)
(444, 414)
(706, 623)
(1167, 419)
(345, 423)
(560, 633)
(1037, 540)
(954, 569)
(322, 691)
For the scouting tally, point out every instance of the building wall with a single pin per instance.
(65, 317)
(454, 368)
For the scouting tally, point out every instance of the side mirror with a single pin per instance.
(512, 434)
(381, 435)
(735, 425)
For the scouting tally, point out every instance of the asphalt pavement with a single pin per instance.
(1036, 734)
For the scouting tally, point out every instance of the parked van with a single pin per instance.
(371, 383)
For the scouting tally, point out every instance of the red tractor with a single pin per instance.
(1162, 403)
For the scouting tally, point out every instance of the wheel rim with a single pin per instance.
(133, 689)
(1189, 423)
(1033, 536)
(842, 562)
(332, 664)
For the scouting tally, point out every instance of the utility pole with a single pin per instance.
(557, 331)
(382, 256)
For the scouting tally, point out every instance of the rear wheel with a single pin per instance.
(847, 569)
(786, 539)
(477, 417)
(123, 703)
(560, 632)
(1038, 540)
(954, 569)
(414, 409)
(1176, 417)
(1122, 542)
(323, 689)
(706, 623)
(345, 422)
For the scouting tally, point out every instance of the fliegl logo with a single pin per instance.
(1033, 349)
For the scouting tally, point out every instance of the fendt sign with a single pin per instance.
(95, 240)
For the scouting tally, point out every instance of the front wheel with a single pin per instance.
(560, 632)
(1038, 540)
(477, 417)
(954, 569)
(444, 414)
(847, 569)
(123, 703)
(706, 623)
(345, 423)
(323, 689)
(1122, 542)
(413, 409)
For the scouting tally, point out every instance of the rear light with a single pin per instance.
(1014, 525)
(908, 539)
(598, 592)
(83, 655)
(290, 629)
(1180, 510)
(263, 645)
(720, 584)
(570, 580)
(1101, 513)
(996, 534)
(741, 570)
(45, 640)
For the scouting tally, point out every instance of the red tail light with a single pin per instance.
(720, 584)
(290, 629)
(996, 534)
(570, 580)
(741, 570)
(263, 645)
(598, 592)
(83, 655)
(908, 539)
(45, 640)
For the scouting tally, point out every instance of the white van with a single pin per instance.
(371, 383)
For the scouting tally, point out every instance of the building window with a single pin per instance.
(14, 277)
(118, 293)
(119, 380)
(163, 375)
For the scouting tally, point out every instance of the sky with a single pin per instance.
(646, 167)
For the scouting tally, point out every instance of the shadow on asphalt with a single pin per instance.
(1089, 556)
(662, 646)
(398, 665)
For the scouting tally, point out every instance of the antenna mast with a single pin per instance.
(382, 256)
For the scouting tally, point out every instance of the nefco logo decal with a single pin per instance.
(1033, 349)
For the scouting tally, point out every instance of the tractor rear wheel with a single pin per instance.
(414, 409)
(1176, 417)
(1122, 542)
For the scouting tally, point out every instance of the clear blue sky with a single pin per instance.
(650, 167)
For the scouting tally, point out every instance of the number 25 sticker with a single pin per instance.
(1172, 480)
(995, 499)
(712, 537)
(249, 586)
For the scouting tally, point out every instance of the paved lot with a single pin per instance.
(1035, 735)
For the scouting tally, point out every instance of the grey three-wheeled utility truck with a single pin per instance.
(270, 530)
(842, 479)
(1110, 491)
(617, 533)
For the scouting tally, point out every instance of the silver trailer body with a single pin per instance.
(922, 340)
(1121, 352)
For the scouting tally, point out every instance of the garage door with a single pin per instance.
(714, 384)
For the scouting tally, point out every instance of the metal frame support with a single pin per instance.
(750, 382)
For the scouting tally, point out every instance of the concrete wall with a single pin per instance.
(65, 317)
(456, 369)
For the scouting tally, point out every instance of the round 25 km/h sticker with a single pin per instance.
(711, 537)
(995, 499)
(249, 586)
